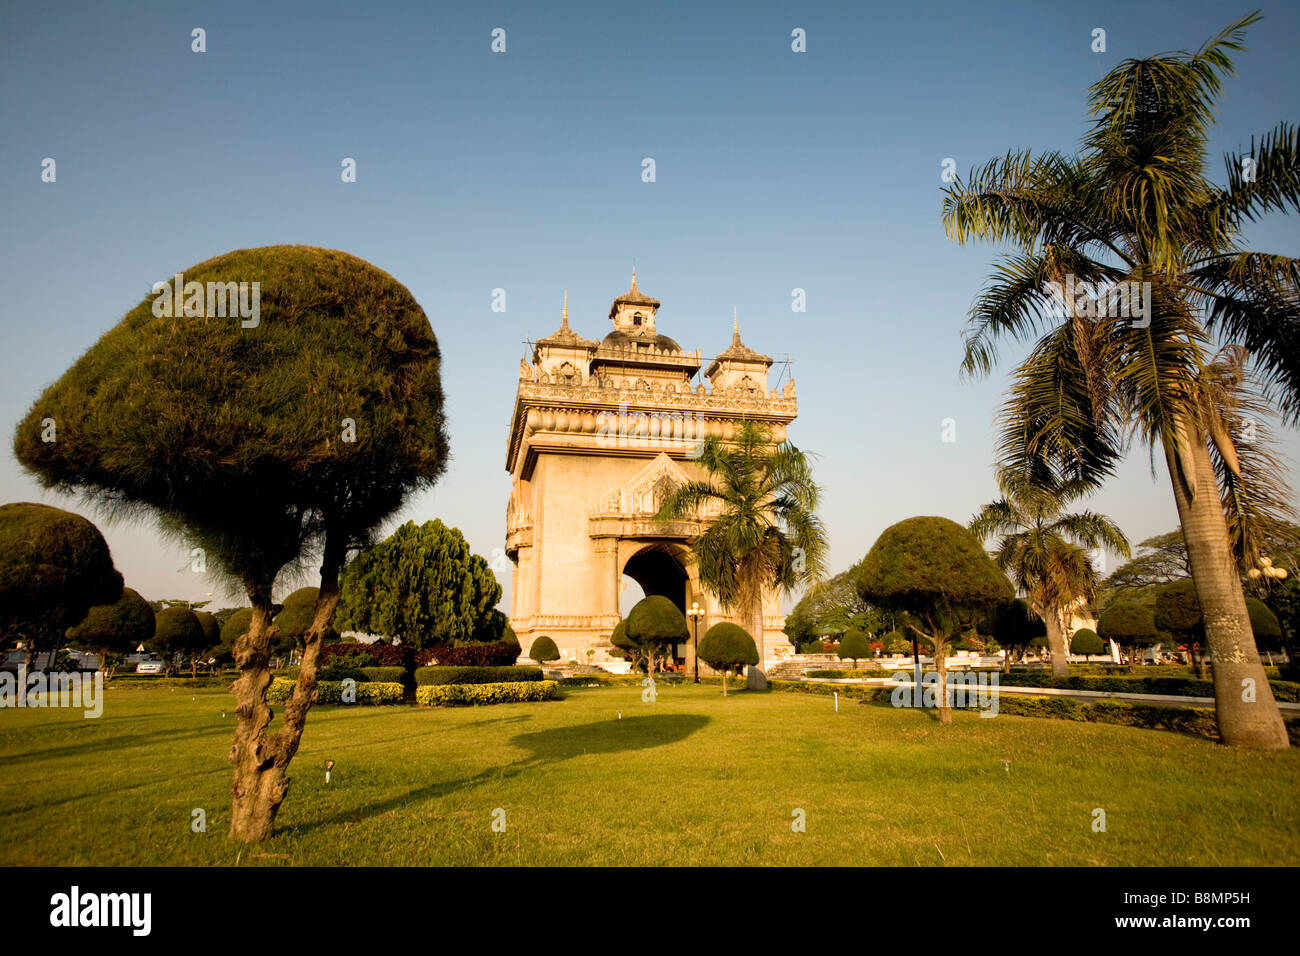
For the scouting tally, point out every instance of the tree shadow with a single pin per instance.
(545, 747)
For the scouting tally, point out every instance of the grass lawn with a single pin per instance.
(690, 779)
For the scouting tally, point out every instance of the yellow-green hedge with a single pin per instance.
(505, 693)
(331, 692)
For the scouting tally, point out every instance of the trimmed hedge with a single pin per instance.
(439, 675)
(1283, 691)
(859, 672)
(1196, 721)
(634, 680)
(331, 692)
(513, 692)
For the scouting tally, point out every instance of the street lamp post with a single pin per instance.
(695, 613)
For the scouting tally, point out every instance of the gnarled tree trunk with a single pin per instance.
(1244, 706)
(261, 779)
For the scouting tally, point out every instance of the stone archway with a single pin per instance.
(664, 569)
(659, 571)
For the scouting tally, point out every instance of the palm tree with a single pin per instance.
(766, 533)
(1136, 207)
(1045, 552)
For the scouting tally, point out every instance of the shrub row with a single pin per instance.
(662, 680)
(505, 693)
(1174, 686)
(1196, 721)
(427, 676)
(860, 672)
(331, 692)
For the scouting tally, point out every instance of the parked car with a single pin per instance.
(149, 667)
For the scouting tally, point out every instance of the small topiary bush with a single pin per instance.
(436, 676)
(437, 695)
(544, 650)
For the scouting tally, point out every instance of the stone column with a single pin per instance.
(609, 576)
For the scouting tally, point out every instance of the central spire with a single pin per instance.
(564, 313)
(634, 288)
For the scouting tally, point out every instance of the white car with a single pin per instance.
(149, 667)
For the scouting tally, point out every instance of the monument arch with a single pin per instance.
(601, 433)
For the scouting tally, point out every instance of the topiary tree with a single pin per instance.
(54, 567)
(1086, 642)
(117, 628)
(292, 430)
(1265, 625)
(623, 643)
(1130, 626)
(177, 631)
(726, 645)
(1017, 628)
(853, 645)
(544, 650)
(654, 624)
(295, 619)
(936, 573)
(1178, 611)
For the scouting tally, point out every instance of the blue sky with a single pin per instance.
(522, 171)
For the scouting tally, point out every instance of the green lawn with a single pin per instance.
(690, 779)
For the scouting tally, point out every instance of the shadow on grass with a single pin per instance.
(545, 747)
(99, 744)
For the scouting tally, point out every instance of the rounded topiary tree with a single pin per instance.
(654, 624)
(544, 650)
(54, 567)
(117, 628)
(936, 573)
(1017, 628)
(176, 631)
(1266, 626)
(292, 430)
(854, 645)
(236, 625)
(1086, 642)
(295, 619)
(1178, 611)
(726, 645)
(625, 644)
(1130, 626)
